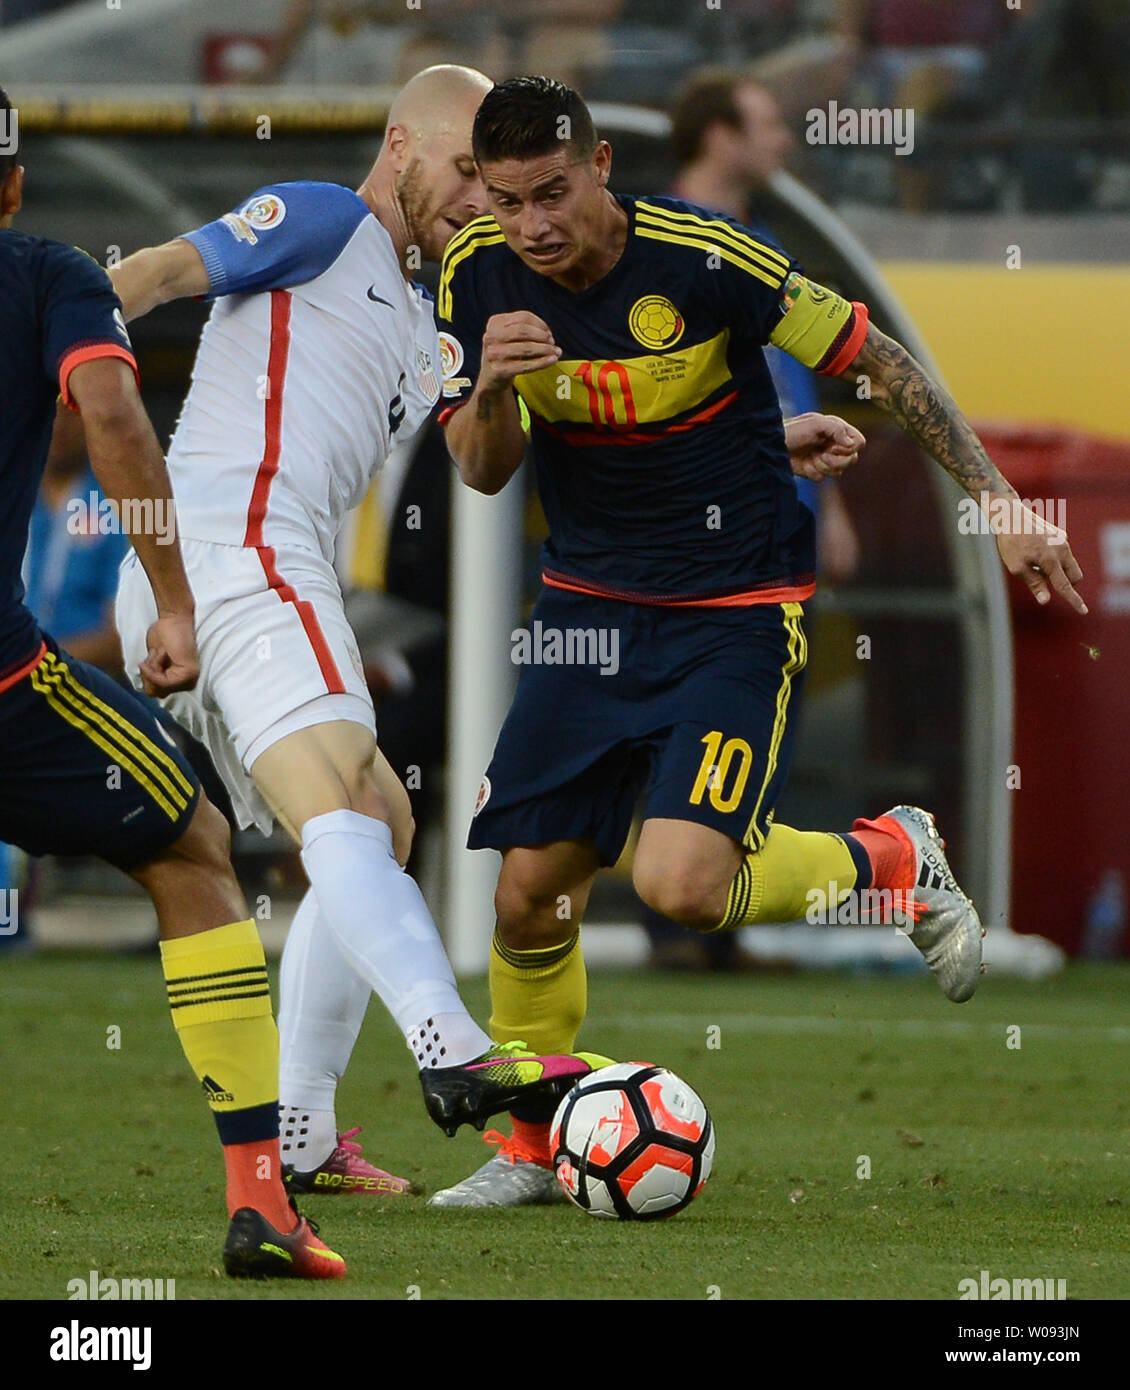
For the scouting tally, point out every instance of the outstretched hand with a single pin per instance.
(1039, 553)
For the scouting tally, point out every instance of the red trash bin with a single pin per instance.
(1070, 841)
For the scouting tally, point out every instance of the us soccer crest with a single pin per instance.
(429, 382)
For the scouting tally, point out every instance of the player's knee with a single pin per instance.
(530, 915)
(207, 842)
(686, 893)
(388, 804)
(203, 852)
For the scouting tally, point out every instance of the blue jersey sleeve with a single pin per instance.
(80, 313)
(285, 234)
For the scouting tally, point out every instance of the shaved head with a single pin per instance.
(424, 185)
(438, 97)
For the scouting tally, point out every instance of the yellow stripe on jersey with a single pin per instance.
(813, 320)
(712, 248)
(470, 229)
(83, 723)
(151, 754)
(631, 391)
(734, 237)
(795, 662)
(484, 231)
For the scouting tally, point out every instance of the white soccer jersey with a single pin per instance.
(317, 357)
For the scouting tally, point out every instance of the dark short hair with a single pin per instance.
(522, 119)
(708, 99)
(8, 158)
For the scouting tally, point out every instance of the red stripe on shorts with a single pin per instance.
(305, 610)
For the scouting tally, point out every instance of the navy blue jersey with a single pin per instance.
(657, 438)
(57, 309)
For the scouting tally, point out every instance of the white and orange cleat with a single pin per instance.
(946, 927)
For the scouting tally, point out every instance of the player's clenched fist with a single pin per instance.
(173, 662)
(513, 344)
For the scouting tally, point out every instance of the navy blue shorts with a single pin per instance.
(691, 708)
(85, 768)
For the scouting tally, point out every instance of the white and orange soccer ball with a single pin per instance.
(633, 1142)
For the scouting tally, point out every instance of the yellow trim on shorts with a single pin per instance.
(150, 753)
(88, 722)
(794, 663)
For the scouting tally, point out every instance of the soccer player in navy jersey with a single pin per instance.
(631, 329)
(84, 766)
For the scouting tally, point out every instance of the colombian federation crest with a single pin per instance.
(655, 322)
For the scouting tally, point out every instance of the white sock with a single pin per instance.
(322, 1003)
(383, 928)
(430, 1042)
(306, 1137)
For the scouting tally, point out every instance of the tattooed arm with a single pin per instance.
(902, 389)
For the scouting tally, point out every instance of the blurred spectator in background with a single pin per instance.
(914, 52)
(71, 566)
(569, 39)
(917, 55)
(729, 139)
(370, 42)
(1068, 58)
(1065, 60)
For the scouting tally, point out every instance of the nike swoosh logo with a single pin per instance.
(377, 299)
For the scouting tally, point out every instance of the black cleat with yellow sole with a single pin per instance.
(254, 1249)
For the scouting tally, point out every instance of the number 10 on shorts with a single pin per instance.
(715, 769)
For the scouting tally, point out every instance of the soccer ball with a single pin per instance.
(632, 1142)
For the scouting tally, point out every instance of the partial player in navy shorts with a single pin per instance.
(691, 708)
(85, 768)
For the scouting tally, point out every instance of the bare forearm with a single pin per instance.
(902, 389)
(130, 469)
(157, 275)
(486, 441)
(138, 283)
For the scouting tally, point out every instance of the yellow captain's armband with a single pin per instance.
(819, 328)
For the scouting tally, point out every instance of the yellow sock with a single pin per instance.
(774, 883)
(221, 1006)
(539, 997)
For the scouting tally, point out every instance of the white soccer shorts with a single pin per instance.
(276, 655)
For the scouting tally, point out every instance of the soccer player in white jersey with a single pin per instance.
(319, 354)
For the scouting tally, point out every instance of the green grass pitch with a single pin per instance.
(1014, 1159)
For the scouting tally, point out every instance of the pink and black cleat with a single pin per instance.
(346, 1171)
